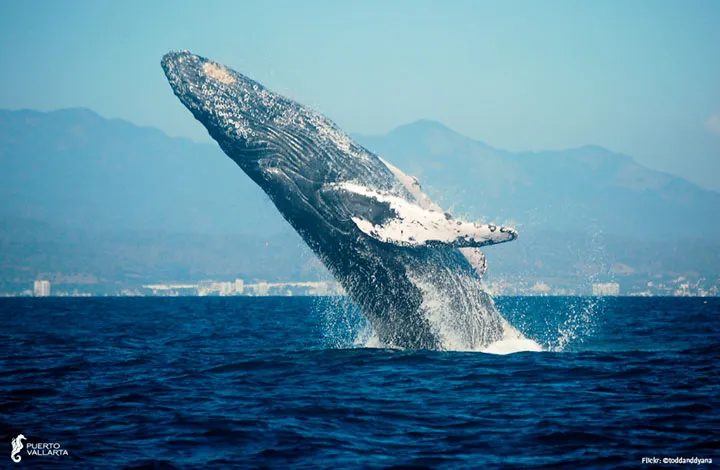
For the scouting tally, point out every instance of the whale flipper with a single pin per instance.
(412, 185)
(475, 257)
(407, 223)
(423, 229)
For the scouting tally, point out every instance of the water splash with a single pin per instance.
(512, 342)
(344, 325)
(560, 324)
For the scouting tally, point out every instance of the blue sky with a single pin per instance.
(639, 77)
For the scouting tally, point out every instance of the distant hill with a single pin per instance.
(588, 189)
(74, 168)
(90, 201)
(109, 261)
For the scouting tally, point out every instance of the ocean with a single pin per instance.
(243, 382)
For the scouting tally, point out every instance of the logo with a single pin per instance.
(17, 446)
(40, 449)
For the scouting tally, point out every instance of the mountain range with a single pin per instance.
(86, 200)
(583, 189)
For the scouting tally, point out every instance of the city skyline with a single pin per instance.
(677, 287)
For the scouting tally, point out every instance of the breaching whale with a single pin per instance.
(413, 270)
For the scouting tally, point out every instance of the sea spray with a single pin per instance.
(344, 325)
(556, 323)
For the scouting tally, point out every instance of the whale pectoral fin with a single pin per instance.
(413, 226)
(392, 219)
(476, 258)
(412, 185)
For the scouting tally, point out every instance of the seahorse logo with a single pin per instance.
(17, 446)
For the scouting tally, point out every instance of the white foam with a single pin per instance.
(462, 324)
(371, 342)
(512, 342)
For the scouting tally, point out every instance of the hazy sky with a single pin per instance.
(639, 77)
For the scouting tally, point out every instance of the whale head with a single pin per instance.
(268, 135)
(233, 108)
(289, 150)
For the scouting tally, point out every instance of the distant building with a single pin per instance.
(608, 288)
(318, 288)
(261, 288)
(204, 288)
(164, 290)
(540, 288)
(41, 288)
(225, 288)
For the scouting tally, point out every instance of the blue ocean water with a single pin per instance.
(278, 383)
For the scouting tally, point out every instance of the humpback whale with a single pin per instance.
(414, 270)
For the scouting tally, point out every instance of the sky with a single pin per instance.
(639, 77)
